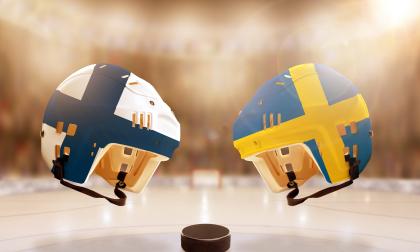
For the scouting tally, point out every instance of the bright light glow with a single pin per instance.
(280, 206)
(204, 213)
(367, 198)
(106, 217)
(266, 199)
(395, 13)
(129, 205)
(302, 218)
(143, 199)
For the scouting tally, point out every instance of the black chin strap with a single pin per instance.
(58, 171)
(292, 201)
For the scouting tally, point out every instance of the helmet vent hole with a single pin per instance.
(289, 167)
(346, 151)
(59, 127)
(341, 129)
(149, 121)
(271, 120)
(134, 119)
(141, 125)
(355, 150)
(264, 121)
(67, 151)
(57, 150)
(353, 128)
(71, 129)
(285, 151)
(128, 151)
(124, 167)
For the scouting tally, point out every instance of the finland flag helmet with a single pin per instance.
(307, 119)
(106, 120)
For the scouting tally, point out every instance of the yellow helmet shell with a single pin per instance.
(309, 116)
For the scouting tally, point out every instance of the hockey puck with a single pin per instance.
(205, 237)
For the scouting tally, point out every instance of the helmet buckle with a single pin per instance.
(121, 177)
(292, 177)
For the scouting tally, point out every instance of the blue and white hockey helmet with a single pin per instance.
(107, 120)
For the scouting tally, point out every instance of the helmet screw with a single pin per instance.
(121, 184)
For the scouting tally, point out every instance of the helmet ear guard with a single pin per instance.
(289, 167)
(353, 173)
(275, 165)
(58, 171)
(121, 166)
(138, 165)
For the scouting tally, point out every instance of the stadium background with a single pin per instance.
(206, 59)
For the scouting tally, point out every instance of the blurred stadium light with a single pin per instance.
(207, 58)
(395, 13)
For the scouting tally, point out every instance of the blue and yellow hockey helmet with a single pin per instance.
(106, 120)
(307, 119)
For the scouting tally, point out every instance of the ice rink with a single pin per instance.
(245, 80)
(354, 219)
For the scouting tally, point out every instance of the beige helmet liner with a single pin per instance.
(138, 164)
(273, 165)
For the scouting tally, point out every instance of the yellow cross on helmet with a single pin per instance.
(308, 119)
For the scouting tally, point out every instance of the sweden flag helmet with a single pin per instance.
(106, 120)
(307, 119)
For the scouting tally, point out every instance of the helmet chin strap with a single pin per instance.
(58, 171)
(291, 196)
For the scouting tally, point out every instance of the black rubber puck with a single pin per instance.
(205, 238)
